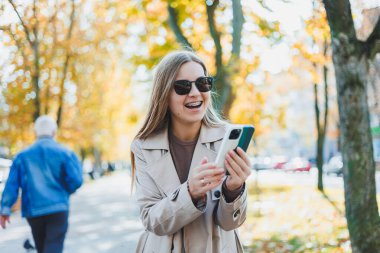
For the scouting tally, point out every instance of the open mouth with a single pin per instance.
(194, 105)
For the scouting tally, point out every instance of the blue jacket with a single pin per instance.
(47, 174)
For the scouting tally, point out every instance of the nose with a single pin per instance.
(194, 90)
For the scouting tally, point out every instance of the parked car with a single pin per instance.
(5, 165)
(298, 164)
(334, 166)
(261, 163)
(279, 162)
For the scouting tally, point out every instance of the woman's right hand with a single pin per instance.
(204, 178)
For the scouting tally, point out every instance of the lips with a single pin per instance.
(194, 105)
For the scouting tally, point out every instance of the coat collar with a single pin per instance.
(161, 141)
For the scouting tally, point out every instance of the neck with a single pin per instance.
(186, 132)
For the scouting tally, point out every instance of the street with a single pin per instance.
(104, 217)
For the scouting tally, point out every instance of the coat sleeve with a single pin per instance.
(73, 174)
(162, 215)
(10, 193)
(231, 215)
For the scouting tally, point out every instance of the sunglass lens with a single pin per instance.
(204, 84)
(182, 87)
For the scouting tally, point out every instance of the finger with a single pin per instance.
(230, 169)
(208, 180)
(239, 171)
(211, 186)
(240, 162)
(205, 166)
(244, 156)
(204, 160)
(238, 159)
(215, 171)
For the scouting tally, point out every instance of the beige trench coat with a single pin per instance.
(166, 207)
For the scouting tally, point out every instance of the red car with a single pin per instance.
(297, 164)
(279, 162)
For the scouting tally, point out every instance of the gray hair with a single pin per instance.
(45, 125)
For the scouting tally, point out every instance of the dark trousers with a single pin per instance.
(49, 231)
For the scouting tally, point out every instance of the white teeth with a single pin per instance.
(194, 104)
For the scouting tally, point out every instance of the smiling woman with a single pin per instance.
(187, 102)
(187, 204)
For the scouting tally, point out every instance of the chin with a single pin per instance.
(193, 119)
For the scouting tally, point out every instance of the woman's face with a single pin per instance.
(189, 108)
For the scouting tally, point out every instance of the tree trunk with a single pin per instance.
(223, 72)
(351, 69)
(321, 126)
(359, 167)
(225, 97)
(320, 139)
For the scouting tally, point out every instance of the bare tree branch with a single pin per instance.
(22, 23)
(66, 64)
(214, 32)
(325, 81)
(35, 27)
(19, 45)
(173, 22)
(36, 73)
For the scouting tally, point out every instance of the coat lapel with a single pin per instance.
(164, 174)
(160, 163)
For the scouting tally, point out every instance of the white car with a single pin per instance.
(334, 166)
(261, 163)
(5, 165)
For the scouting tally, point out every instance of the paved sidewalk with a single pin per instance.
(103, 219)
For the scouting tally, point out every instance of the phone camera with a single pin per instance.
(235, 134)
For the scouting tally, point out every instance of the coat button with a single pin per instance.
(174, 195)
(217, 194)
(236, 213)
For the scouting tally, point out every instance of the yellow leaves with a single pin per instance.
(317, 26)
(157, 7)
(247, 107)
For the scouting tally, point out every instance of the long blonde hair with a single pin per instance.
(158, 114)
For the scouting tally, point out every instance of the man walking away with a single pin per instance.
(47, 174)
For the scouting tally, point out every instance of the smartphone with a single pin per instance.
(235, 136)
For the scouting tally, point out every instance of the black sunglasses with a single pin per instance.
(203, 84)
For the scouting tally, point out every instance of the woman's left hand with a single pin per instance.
(239, 167)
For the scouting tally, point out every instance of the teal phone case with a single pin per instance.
(246, 137)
